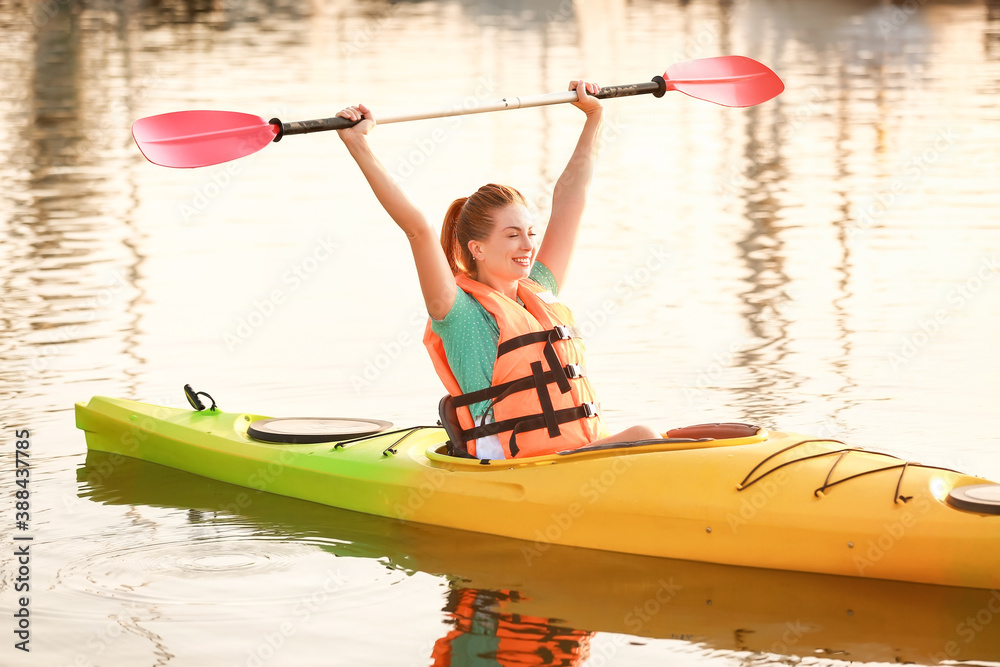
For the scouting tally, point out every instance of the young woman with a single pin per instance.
(500, 339)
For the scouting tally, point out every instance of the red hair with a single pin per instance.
(470, 219)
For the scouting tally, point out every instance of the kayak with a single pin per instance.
(710, 607)
(772, 500)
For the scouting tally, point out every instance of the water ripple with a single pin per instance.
(233, 571)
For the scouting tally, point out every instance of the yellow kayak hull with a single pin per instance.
(774, 500)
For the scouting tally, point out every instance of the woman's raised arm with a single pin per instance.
(437, 283)
(569, 198)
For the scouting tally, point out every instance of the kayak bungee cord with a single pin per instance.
(840, 458)
(827, 484)
(391, 449)
(901, 467)
(745, 484)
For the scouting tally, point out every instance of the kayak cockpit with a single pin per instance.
(688, 437)
(702, 436)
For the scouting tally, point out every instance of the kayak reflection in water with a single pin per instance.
(488, 634)
(502, 343)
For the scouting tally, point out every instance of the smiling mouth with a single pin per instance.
(523, 261)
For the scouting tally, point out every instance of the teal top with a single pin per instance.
(470, 336)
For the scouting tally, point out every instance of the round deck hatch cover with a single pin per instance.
(982, 498)
(310, 430)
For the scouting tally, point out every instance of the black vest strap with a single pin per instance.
(549, 337)
(560, 331)
(539, 421)
(529, 422)
(544, 400)
(571, 371)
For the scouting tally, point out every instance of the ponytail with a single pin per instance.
(459, 261)
(470, 219)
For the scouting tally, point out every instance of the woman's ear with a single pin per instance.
(476, 249)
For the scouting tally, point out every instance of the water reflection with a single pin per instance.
(87, 252)
(488, 631)
(510, 602)
(991, 34)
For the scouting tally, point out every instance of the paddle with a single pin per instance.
(201, 138)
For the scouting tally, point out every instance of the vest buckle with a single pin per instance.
(574, 371)
(563, 332)
(589, 409)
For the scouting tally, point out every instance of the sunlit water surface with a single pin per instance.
(827, 262)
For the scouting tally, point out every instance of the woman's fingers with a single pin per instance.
(357, 114)
(584, 91)
(582, 87)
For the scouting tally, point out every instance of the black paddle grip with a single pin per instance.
(308, 126)
(657, 88)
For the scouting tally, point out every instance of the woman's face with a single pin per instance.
(509, 251)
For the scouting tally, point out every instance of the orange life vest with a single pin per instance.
(541, 399)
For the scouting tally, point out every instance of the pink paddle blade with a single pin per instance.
(186, 139)
(732, 81)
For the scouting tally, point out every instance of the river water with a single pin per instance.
(827, 262)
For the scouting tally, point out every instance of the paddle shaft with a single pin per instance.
(199, 138)
(657, 87)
